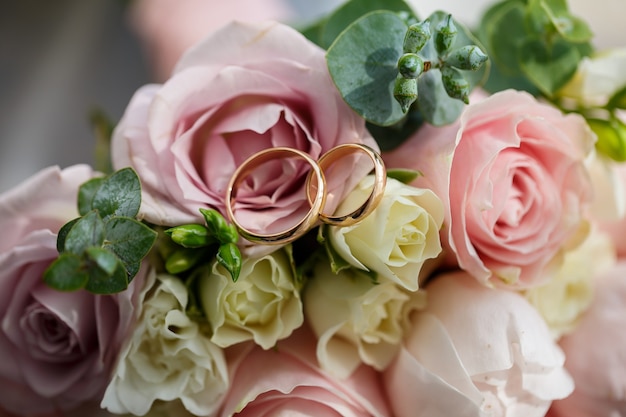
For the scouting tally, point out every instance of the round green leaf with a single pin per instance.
(100, 282)
(87, 231)
(86, 192)
(66, 273)
(119, 194)
(363, 64)
(129, 239)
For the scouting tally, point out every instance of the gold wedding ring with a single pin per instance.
(378, 190)
(304, 225)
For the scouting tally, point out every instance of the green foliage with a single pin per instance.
(535, 45)
(611, 137)
(216, 239)
(405, 176)
(102, 250)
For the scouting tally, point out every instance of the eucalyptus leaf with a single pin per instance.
(119, 194)
(129, 239)
(436, 106)
(86, 192)
(103, 259)
(62, 234)
(66, 273)
(229, 256)
(618, 100)
(100, 282)
(363, 64)
(87, 231)
(352, 10)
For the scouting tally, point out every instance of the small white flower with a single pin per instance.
(397, 238)
(567, 296)
(356, 320)
(263, 305)
(168, 358)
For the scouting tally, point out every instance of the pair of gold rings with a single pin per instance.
(315, 183)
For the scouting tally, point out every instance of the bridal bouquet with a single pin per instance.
(381, 214)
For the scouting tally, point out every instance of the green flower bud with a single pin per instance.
(219, 227)
(469, 57)
(445, 35)
(191, 235)
(410, 65)
(405, 92)
(611, 137)
(182, 260)
(416, 37)
(455, 84)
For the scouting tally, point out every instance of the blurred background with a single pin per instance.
(61, 60)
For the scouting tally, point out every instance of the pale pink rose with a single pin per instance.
(476, 351)
(511, 174)
(595, 352)
(288, 381)
(57, 348)
(246, 88)
(169, 27)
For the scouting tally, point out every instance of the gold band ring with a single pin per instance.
(304, 225)
(378, 190)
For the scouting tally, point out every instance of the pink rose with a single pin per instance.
(595, 353)
(57, 348)
(246, 88)
(288, 381)
(168, 27)
(512, 178)
(476, 351)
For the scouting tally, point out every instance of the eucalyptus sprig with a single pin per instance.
(101, 251)
(217, 238)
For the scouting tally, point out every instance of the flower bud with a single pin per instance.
(416, 37)
(455, 84)
(190, 235)
(445, 35)
(410, 65)
(182, 260)
(405, 92)
(469, 57)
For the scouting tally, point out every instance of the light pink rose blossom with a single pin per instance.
(476, 351)
(288, 381)
(246, 88)
(57, 348)
(512, 177)
(596, 352)
(169, 27)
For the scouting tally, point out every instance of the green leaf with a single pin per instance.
(100, 282)
(352, 10)
(86, 192)
(219, 227)
(191, 235)
(363, 64)
(611, 137)
(119, 194)
(87, 231)
(229, 256)
(66, 273)
(129, 239)
(405, 176)
(105, 260)
(436, 106)
(618, 100)
(62, 235)
(337, 263)
(548, 68)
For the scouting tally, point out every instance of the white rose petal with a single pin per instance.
(356, 320)
(167, 359)
(563, 299)
(397, 238)
(263, 305)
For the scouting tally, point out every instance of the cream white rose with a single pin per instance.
(356, 320)
(397, 238)
(168, 359)
(264, 304)
(597, 78)
(563, 299)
